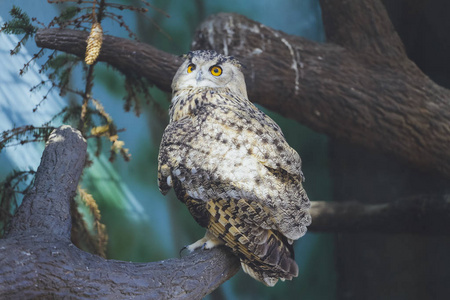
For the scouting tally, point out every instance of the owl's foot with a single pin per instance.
(181, 251)
(207, 242)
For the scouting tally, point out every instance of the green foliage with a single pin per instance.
(20, 24)
(24, 134)
(68, 14)
(62, 66)
(138, 91)
(15, 184)
(89, 117)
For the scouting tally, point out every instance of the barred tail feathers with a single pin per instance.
(265, 254)
(277, 263)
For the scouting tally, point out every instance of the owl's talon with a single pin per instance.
(185, 247)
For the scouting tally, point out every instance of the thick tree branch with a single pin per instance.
(129, 57)
(365, 90)
(56, 182)
(419, 215)
(381, 101)
(33, 267)
(375, 32)
(37, 259)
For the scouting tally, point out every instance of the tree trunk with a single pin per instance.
(398, 265)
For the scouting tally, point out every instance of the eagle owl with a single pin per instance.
(230, 164)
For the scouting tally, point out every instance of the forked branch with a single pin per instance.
(37, 259)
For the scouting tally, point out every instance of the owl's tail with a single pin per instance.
(275, 260)
(265, 254)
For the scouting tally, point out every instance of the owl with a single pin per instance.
(230, 164)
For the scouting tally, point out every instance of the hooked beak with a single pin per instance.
(199, 76)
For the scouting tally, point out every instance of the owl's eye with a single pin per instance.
(216, 70)
(191, 68)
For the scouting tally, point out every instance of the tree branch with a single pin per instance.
(364, 91)
(379, 100)
(129, 57)
(38, 260)
(417, 215)
(375, 32)
(56, 182)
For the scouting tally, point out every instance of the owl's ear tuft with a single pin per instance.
(188, 55)
(242, 66)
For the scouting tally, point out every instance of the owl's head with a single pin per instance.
(208, 69)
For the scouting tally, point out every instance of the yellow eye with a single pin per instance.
(191, 68)
(216, 70)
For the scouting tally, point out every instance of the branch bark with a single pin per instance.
(416, 215)
(37, 259)
(361, 89)
(127, 56)
(55, 186)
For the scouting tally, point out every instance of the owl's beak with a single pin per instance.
(199, 76)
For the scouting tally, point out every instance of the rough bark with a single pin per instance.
(54, 188)
(38, 261)
(372, 95)
(128, 56)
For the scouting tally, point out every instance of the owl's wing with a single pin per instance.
(172, 147)
(228, 153)
(265, 254)
(267, 142)
(273, 170)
